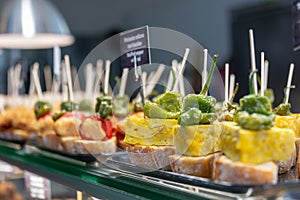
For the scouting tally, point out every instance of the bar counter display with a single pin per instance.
(171, 144)
(49, 148)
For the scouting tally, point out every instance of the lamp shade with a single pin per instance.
(33, 24)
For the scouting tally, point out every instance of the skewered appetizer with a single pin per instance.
(71, 131)
(196, 137)
(17, 123)
(150, 138)
(252, 144)
(56, 128)
(285, 119)
(96, 131)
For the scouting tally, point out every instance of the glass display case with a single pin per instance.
(115, 178)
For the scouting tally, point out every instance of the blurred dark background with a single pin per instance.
(220, 26)
(273, 30)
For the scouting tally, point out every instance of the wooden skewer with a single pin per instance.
(289, 83)
(226, 81)
(75, 79)
(181, 82)
(48, 77)
(69, 77)
(231, 85)
(55, 86)
(170, 79)
(89, 80)
(150, 76)
(204, 72)
(139, 74)
(144, 78)
(106, 78)
(262, 75)
(253, 64)
(152, 83)
(37, 80)
(182, 66)
(99, 74)
(123, 82)
(31, 85)
(17, 77)
(64, 81)
(266, 73)
(10, 78)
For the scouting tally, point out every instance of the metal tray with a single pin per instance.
(288, 185)
(88, 158)
(19, 141)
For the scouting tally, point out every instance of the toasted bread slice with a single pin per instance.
(153, 157)
(96, 146)
(50, 140)
(285, 166)
(201, 166)
(68, 144)
(123, 145)
(245, 174)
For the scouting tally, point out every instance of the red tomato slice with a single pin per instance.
(106, 125)
(109, 129)
(45, 115)
(120, 136)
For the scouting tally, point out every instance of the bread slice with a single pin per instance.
(285, 166)
(50, 140)
(201, 166)
(245, 174)
(297, 143)
(123, 145)
(152, 157)
(298, 156)
(68, 144)
(96, 146)
(8, 135)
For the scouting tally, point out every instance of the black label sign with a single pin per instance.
(135, 43)
(296, 24)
